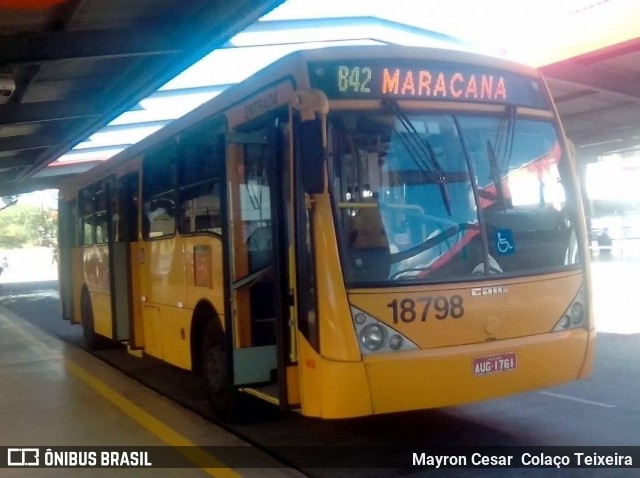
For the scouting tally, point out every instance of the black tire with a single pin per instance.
(92, 340)
(215, 371)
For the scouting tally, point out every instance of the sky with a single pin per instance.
(47, 198)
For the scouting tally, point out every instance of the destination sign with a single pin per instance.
(428, 80)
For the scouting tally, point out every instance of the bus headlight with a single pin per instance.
(395, 342)
(372, 337)
(575, 314)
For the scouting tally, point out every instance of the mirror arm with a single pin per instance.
(313, 106)
(310, 102)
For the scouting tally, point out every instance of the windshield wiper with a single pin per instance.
(508, 142)
(424, 149)
(497, 168)
(496, 174)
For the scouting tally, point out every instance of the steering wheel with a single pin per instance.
(416, 212)
(431, 242)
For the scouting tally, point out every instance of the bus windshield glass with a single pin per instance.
(424, 198)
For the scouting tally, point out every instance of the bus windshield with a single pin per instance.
(425, 198)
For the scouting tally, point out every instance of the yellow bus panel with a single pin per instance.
(443, 316)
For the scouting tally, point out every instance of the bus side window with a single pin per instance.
(87, 231)
(200, 208)
(159, 183)
(255, 197)
(200, 169)
(160, 214)
(101, 229)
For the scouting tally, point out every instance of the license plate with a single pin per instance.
(495, 363)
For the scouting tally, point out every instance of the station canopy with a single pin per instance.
(586, 48)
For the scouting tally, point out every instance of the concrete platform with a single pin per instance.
(55, 394)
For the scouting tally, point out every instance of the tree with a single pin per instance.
(27, 225)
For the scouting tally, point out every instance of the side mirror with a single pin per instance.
(313, 107)
(312, 156)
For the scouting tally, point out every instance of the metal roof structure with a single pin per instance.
(254, 48)
(598, 97)
(77, 64)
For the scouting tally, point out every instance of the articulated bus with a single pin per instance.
(350, 231)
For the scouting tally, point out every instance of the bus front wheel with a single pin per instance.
(215, 370)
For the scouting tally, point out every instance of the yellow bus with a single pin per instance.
(350, 231)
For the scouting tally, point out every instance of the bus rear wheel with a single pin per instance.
(215, 370)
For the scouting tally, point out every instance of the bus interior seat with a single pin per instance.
(369, 244)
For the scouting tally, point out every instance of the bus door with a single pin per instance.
(123, 222)
(258, 284)
(67, 237)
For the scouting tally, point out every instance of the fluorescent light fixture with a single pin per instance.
(233, 65)
(120, 136)
(144, 116)
(224, 66)
(599, 143)
(175, 106)
(301, 37)
(90, 155)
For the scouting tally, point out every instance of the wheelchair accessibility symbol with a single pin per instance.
(504, 242)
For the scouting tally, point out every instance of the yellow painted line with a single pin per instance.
(167, 434)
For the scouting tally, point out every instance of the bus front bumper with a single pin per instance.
(454, 375)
